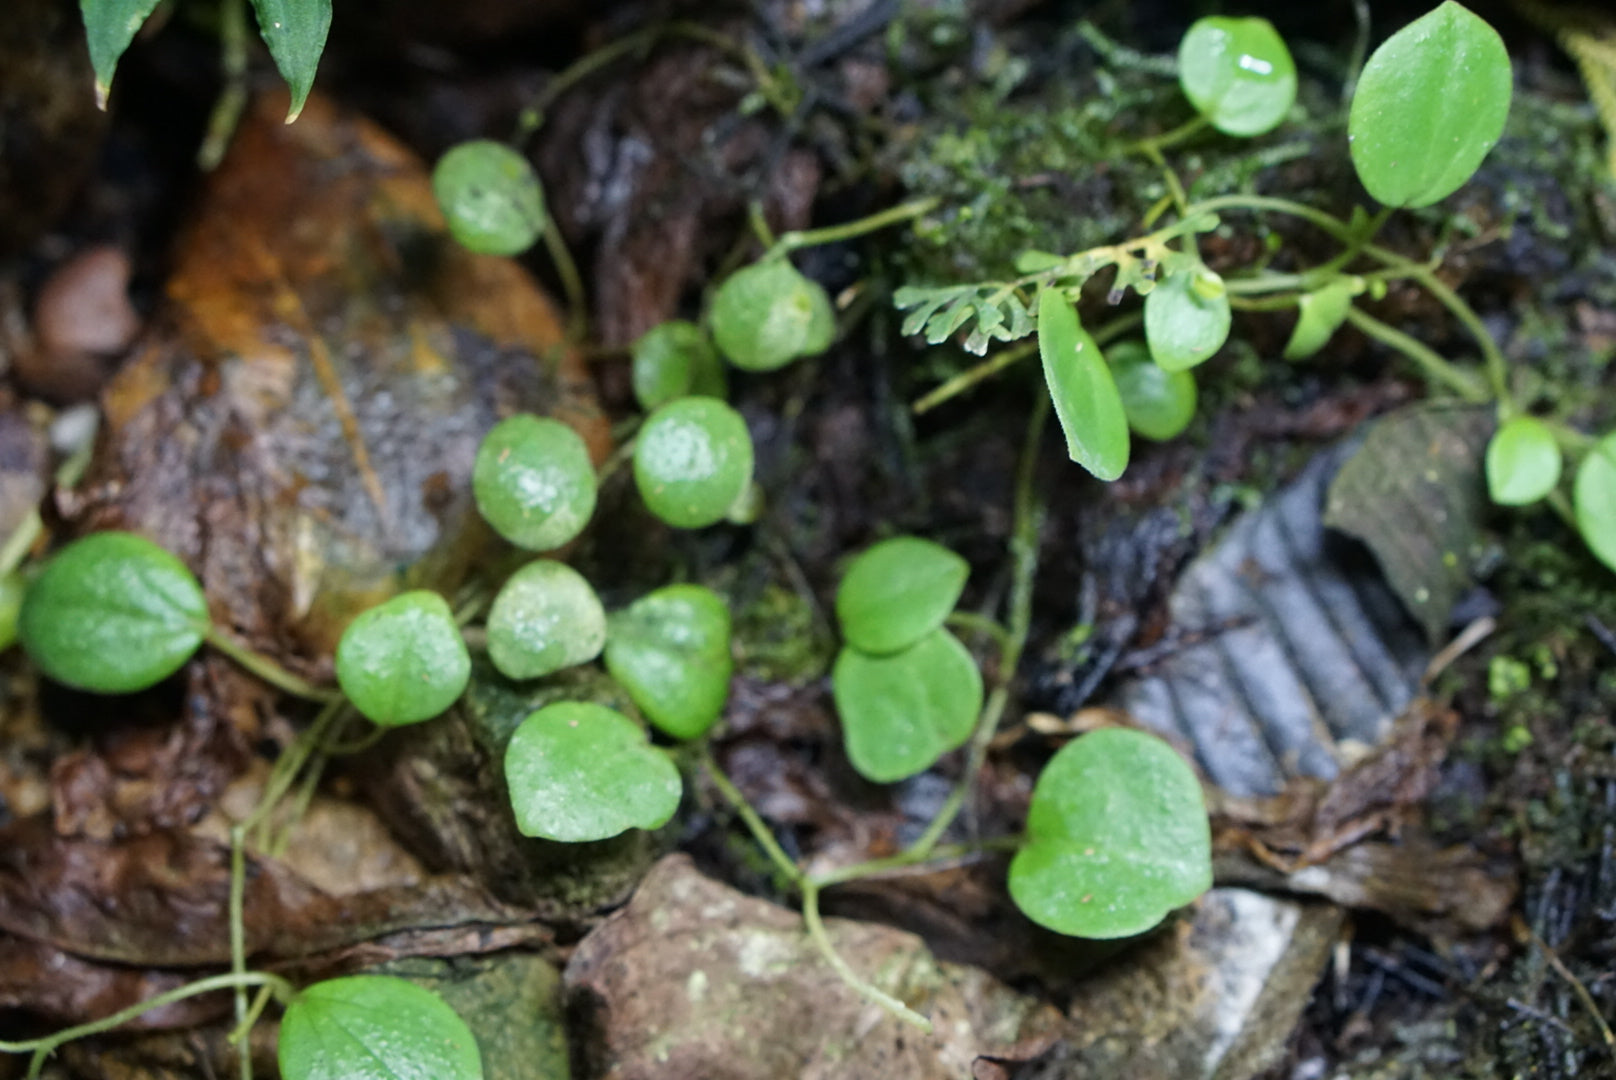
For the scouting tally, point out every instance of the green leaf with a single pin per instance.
(902, 712)
(1159, 404)
(295, 32)
(1594, 499)
(109, 26)
(1036, 262)
(1237, 73)
(403, 661)
(375, 1027)
(491, 198)
(673, 359)
(113, 613)
(1186, 319)
(693, 461)
(670, 650)
(534, 482)
(1430, 104)
(897, 592)
(1117, 837)
(1080, 384)
(1523, 462)
(766, 315)
(1320, 314)
(579, 772)
(545, 618)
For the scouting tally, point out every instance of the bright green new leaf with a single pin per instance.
(1080, 385)
(1430, 104)
(1186, 319)
(579, 772)
(12, 590)
(1523, 462)
(375, 1027)
(693, 461)
(403, 661)
(113, 613)
(670, 650)
(109, 26)
(766, 315)
(534, 482)
(295, 32)
(673, 359)
(1237, 73)
(1319, 314)
(902, 712)
(545, 618)
(1160, 404)
(491, 198)
(1594, 498)
(897, 592)
(1117, 837)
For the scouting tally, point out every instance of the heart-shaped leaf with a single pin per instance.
(670, 650)
(113, 613)
(693, 461)
(1117, 837)
(1187, 318)
(1160, 404)
(1319, 314)
(897, 592)
(545, 618)
(1237, 73)
(902, 712)
(491, 198)
(109, 26)
(1523, 461)
(676, 358)
(534, 482)
(1080, 385)
(295, 31)
(375, 1027)
(1430, 104)
(580, 772)
(1594, 497)
(403, 661)
(768, 314)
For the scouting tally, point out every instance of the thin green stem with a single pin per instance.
(268, 670)
(750, 817)
(981, 624)
(821, 939)
(1006, 357)
(238, 933)
(1434, 366)
(907, 860)
(572, 283)
(619, 457)
(290, 763)
(760, 226)
(848, 230)
(1169, 139)
(232, 100)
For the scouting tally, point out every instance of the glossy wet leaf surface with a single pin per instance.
(1430, 104)
(580, 772)
(110, 25)
(693, 461)
(1523, 462)
(671, 651)
(113, 613)
(768, 314)
(897, 592)
(545, 618)
(1594, 499)
(1082, 389)
(1187, 319)
(491, 197)
(1117, 837)
(375, 1027)
(534, 482)
(1237, 73)
(903, 711)
(1159, 404)
(403, 661)
(295, 31)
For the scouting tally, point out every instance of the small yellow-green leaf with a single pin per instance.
(295, 31)
(1523, 462)
(545, 618)
(768, 314)
(1237, 73)
(490, 196)
(403, 661)
(1160, 404)
(693, 461)
(1080, 385)
(1594, 496)
(673, 359)
(109, 27)
(1319, 314)
(534, 482)
(1187, 318)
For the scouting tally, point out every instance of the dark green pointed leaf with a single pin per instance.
(534, 482)
(671, 651)
(1117, 837)
(1523, 462)
(1187, 318)
(693, 461)
(109, 27)
(1594, 497)
(579, 772)
(375, 1027)
(902, 712)
(1430, 104)
(545, 618)
(1160, 404)
(897, 592)
(403, 661)
(295, 32)
(113, 613)
(1080, 385)
(1319, 315)
(1237, 73)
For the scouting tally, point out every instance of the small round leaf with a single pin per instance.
(490, 196)
(902, 712)
(1523, 462)
(403, 661)
(545, 618)
(693, 461)
(113, 613)
(1160, 404)
(1117, 837)
(534, 482)
(1187, 319)
(766, 315)
(1594, 499)
(579, 772)
(1237, 73)
(1081, 387)
(897, 592)
(671, 651)
(375, 1027)
(673, 359)
(1430, 104)
(1319, 314)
